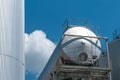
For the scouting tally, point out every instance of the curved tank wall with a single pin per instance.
(114, 50)
(12, 40)
(83, 49)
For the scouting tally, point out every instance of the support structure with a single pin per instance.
(65, 70)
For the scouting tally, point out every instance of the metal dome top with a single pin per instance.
(82, 31)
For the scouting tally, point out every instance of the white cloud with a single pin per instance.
(38, 49)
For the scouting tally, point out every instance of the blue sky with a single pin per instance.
(49, 15)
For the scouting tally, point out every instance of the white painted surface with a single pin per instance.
(12, 40)
(73, 46)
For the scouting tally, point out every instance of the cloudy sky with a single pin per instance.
(37, 51)
(43, 25)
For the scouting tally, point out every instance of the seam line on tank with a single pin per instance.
(13, 58)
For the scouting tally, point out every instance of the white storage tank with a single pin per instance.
(12, 40)
(81, 45)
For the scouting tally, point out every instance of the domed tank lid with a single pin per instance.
(80, 30)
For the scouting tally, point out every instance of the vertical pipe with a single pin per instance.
(108, 56)
(109, 66)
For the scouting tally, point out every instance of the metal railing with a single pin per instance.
(72, 22)
(116, 33)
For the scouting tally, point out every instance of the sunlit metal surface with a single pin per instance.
(12, 40)
(76, 42)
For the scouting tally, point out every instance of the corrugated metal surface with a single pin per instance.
(11, 40)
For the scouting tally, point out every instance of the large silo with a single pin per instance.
(12, 40)
(114, 49)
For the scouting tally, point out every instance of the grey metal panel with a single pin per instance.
(12, 39)
(114, 50)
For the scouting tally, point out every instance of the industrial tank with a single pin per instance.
(114, 50)
(81, 45)
(78, 52)
(12, 40)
